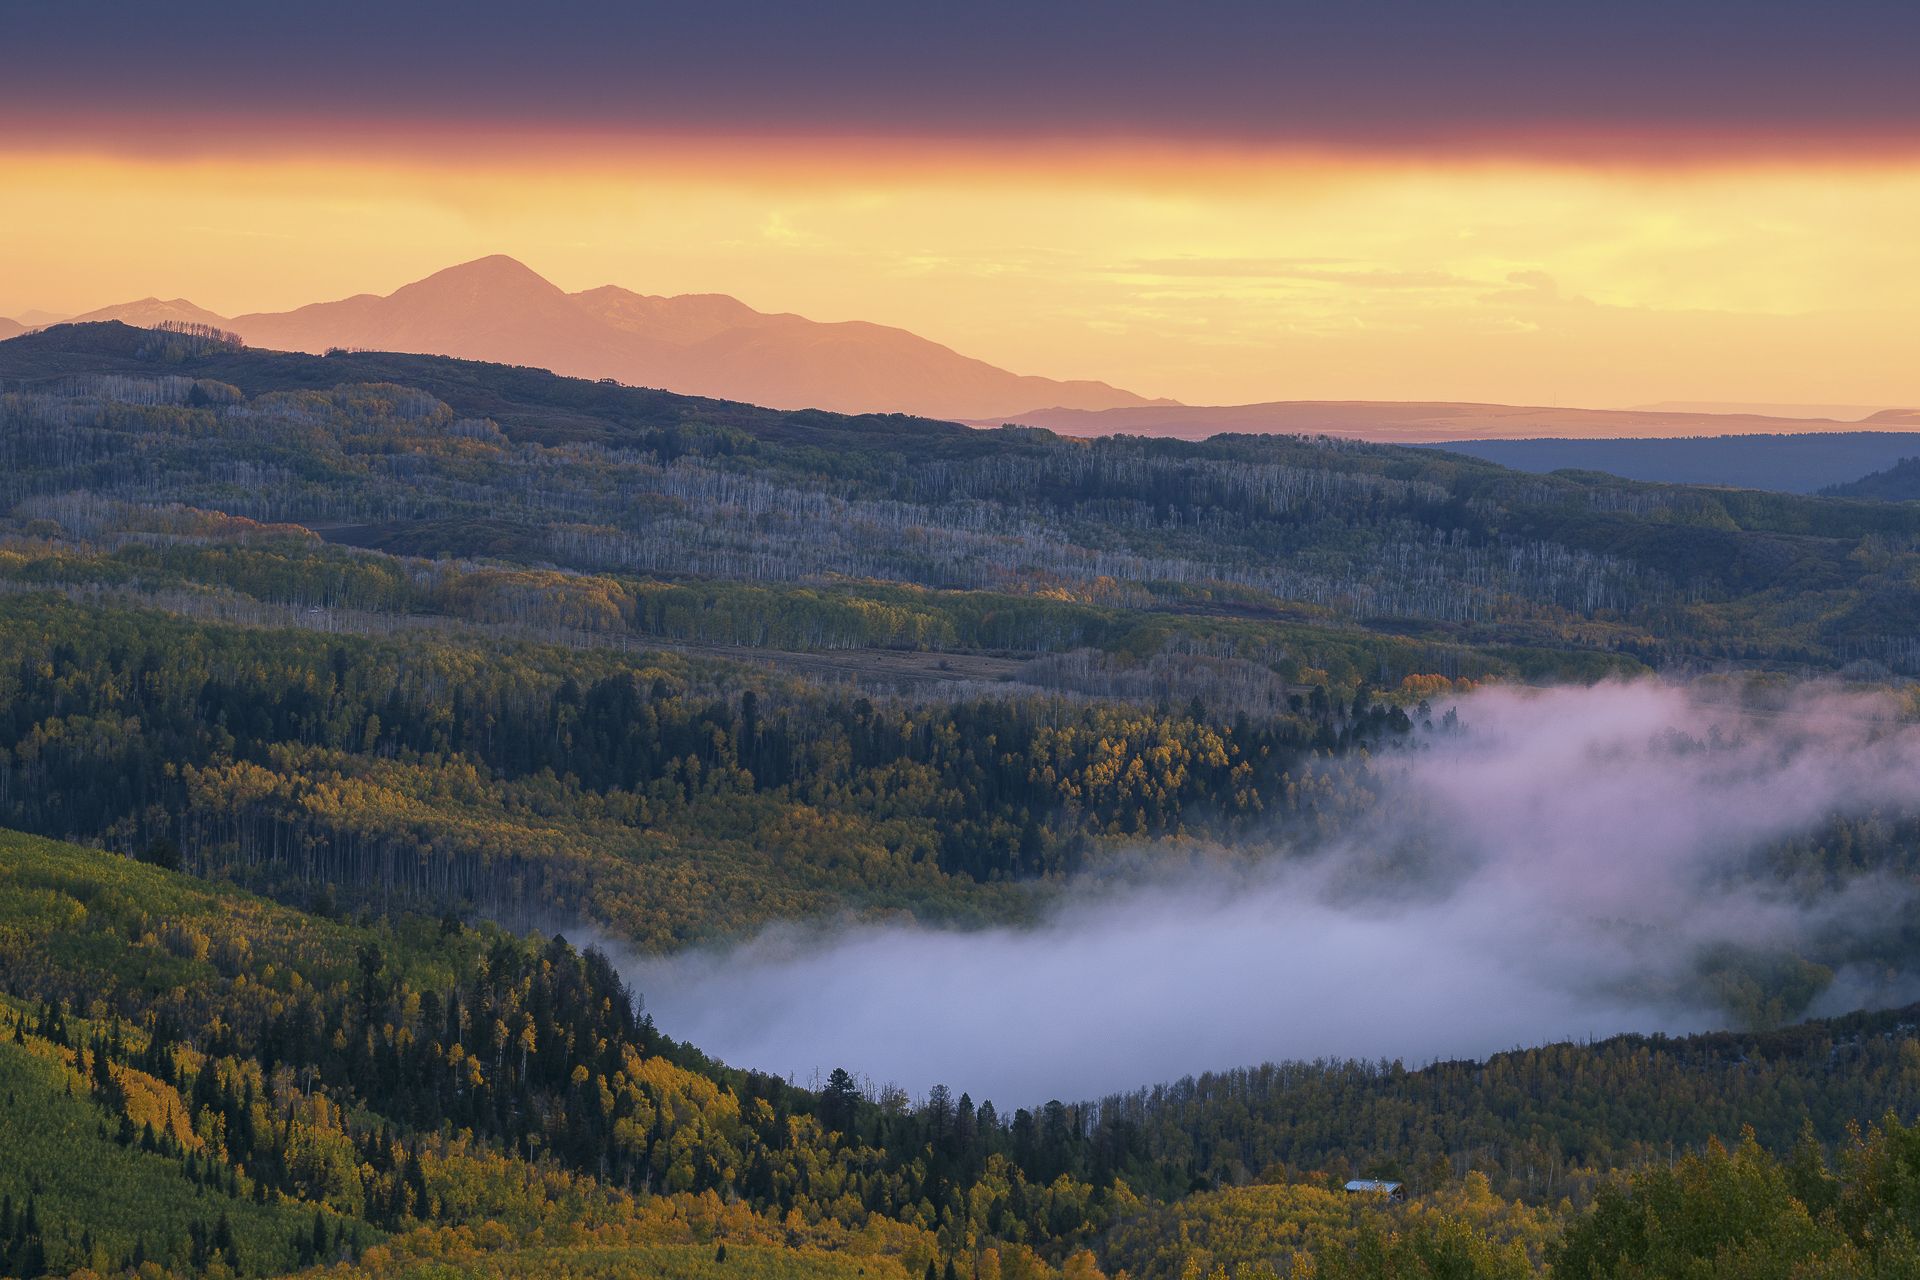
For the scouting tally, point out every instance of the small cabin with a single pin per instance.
(1375, 1187)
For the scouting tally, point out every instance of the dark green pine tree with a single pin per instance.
(31, 1258)
(223, 1242)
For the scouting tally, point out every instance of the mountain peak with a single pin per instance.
(493, 264)
(711, 344)
(496, 272)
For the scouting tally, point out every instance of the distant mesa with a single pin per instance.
(1763, 409)
(1417, 422)
(500, 310)
(1822, 461)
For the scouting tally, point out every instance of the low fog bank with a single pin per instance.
(1554, 868)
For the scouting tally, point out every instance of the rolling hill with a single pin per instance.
(1897, 483)
(499, 310)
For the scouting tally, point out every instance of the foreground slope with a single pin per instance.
(274, 1089)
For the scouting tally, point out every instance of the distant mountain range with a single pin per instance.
(1806, 462)
(1418, 422)
(1837, 412)
(497, 309)
(1671, 445)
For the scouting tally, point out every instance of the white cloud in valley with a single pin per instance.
(1553, 869)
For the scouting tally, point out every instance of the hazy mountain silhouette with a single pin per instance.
(11, 328)
(498, 309)
(1417, 422)
(150, 313)
(1764, 409)
(493, 309)
(1805, 462)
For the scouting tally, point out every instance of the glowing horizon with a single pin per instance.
(1207, 282)
(1519, 207)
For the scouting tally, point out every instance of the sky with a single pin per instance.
(1219, 202)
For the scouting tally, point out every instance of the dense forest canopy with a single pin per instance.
(276, 1089)
(446, 457)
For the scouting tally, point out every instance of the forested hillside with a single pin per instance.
(276, 1090)
(435, 456)
(1897, 483)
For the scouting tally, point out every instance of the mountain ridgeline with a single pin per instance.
(1899, 482)
(1836, 463)
(1663, 430)
(701, 344)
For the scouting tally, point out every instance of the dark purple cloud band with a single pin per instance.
(1414, 75)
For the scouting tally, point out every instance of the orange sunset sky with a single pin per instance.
(1599, 261)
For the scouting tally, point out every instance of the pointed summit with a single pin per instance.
(501, 264)
(494, 276)
(493, 308)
